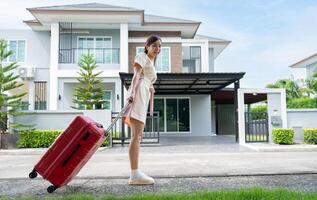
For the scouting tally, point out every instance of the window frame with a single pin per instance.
(17, 55)
(165, 121)
(94, 48)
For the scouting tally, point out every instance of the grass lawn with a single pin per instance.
(249, 194)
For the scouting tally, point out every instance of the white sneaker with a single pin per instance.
(139, 178)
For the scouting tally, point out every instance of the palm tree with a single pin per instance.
(291, 86)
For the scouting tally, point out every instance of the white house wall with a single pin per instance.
(311, 69)
(67, 87)
(304, 118)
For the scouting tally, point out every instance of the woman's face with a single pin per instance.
(154, 49)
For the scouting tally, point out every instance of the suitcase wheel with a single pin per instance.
(33, 174)
(51, 189)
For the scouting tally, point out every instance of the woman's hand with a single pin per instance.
(130, 99)
(152, 89)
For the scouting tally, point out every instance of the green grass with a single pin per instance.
(249, 194)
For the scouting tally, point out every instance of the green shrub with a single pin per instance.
(259, 108)
(283, 135)
(41, 138)
(304, 102)
(37, 138)
(310, 135)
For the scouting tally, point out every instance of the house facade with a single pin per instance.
(309, 64)
(190, 96)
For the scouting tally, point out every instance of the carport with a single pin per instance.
(190, 83)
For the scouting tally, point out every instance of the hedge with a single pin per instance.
(310, 135)
(304, 102)
(40, 138)
(283, 135)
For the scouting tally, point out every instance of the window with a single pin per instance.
(107, 98)
(191, 59)
(18, 48)
(40, 95)
(163, 60)
(101, 47)
(174, 114)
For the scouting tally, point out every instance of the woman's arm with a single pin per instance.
(135, 81)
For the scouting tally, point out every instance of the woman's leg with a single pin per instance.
(137, 128)
(137, 177)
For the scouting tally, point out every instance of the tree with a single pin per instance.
(89, 94)
(291, 86)
(10, 105)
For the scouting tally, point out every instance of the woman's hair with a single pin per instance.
(150, 40)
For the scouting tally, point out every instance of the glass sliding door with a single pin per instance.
(171, 115)
(159, 107)
(183, 115)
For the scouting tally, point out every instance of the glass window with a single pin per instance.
(40, 95)
(191, 59)
(21, 50)
(101, 47)
(18, 49)
(13, 47)
(107, 98)
(162, 63)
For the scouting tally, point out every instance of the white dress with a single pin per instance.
(138, 108)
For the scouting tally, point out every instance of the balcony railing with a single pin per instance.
(102, 55)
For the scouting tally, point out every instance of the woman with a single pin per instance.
(140, 92)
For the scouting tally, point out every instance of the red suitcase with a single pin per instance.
(71, 151)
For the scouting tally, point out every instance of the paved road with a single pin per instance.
(99, 186)
(114, 163)
(175, 168)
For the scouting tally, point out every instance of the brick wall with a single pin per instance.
(176, 55)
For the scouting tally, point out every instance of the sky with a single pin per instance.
(267, 35)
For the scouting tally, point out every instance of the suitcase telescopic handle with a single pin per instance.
(113, 122)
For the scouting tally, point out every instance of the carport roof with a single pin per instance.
(188, 83)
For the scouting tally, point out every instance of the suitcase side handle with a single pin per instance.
(71, 155)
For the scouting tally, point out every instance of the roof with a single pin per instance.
(211, 39)
(86, 7)
(111, 15)
(157, 18)
(188, 83)
(305, 62)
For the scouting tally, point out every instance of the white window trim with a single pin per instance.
(110, 107)
(165, 121)
(169, 57)
(25, 54)
(94, 37)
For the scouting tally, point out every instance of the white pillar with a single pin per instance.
(205, 57)
(31, 95)
(241, 119)
(124, 48)
(54, 66)
(117, 106)
(283, 108)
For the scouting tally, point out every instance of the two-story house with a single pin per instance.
(309, 64)
(190, 96)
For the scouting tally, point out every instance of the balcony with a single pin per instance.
(102, 55)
